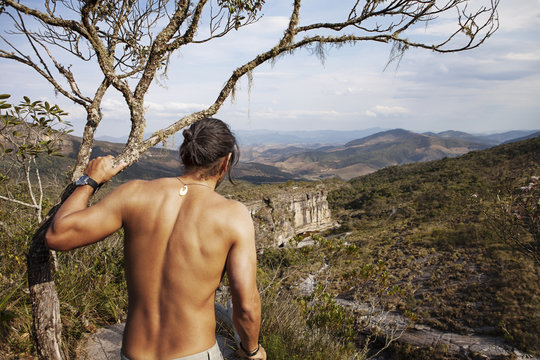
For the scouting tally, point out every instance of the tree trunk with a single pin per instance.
(47, 325)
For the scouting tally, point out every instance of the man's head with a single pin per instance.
(209, 148)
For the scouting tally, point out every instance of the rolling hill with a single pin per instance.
(365, 155)
(441, 229)
(156, 162)
(284, 161)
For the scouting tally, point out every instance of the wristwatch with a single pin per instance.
(87, 180)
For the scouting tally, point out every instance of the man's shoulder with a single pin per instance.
(232, 214)
(135, 191)
(135, 185)
(234, 207)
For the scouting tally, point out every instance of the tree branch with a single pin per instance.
(47, 19)
(18, 202)
(50, 79)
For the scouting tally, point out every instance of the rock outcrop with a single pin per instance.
(278, 217)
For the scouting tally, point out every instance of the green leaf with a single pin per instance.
(4, 96)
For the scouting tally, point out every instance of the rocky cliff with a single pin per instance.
(280, 216)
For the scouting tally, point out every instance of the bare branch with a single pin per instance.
(50, 79)
(40, 188)
(47, 19)
(18, 202)
(288, 37)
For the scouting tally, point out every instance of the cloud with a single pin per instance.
(387, 111)
(370, 113)
(523, 56)
(519, 15)
(172, 108)
(349, 90)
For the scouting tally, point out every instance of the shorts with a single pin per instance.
(211, 354)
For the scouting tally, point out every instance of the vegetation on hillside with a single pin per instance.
(438, 226)
(422, 241)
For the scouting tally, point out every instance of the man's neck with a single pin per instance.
(197, 179)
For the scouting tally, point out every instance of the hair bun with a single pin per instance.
(188, 135)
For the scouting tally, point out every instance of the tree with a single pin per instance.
(28, 131)
(515, 219)
(132, 42)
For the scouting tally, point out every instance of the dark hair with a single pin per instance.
(205, 144)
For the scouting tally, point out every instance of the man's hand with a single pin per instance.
(101, 169)
(260, 355)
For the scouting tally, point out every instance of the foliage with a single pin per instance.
(16, 226)
(28, 131)
(286, 334)
(238, 7)
(438, 226)
(92, 289)
(31, 128)
(322, 312)
(90, 282)
(516, 219)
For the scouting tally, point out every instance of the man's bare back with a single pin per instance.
(186, 241)
(180, 238)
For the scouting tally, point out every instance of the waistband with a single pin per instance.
(210, 354)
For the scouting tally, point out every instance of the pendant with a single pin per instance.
(183, 190)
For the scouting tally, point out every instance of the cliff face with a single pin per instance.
(277, 218)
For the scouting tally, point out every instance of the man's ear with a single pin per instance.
(225, 164)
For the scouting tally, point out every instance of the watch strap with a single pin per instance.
(87, 180)
(93, 183)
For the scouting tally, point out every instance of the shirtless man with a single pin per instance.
(180, 237)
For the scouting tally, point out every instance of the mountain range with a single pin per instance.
(370, 153)
(272, 161)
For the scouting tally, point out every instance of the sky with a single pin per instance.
(491, 89)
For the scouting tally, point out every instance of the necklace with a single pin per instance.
(183, 191)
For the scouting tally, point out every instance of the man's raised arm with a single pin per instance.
(75, 224)
(242, 275)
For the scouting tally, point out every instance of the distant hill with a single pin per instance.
(156, 162)
(321, 137)
(314, 138)
(510, 136)
(280, 137)
(282, 162)
(451, 134)
(529, 136)
(365, 155)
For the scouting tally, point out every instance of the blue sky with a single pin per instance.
(494, 88)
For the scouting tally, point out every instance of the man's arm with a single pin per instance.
(242, 274)
(75, 224)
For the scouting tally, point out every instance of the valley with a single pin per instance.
(265, 160)
(428, 242)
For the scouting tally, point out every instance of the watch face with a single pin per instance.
(83, 180)
(87, 180)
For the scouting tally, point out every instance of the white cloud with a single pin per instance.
(519, 15)
(523, 56)
(349, 90)
(387, 111)
(172, 107)
(371, 113)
